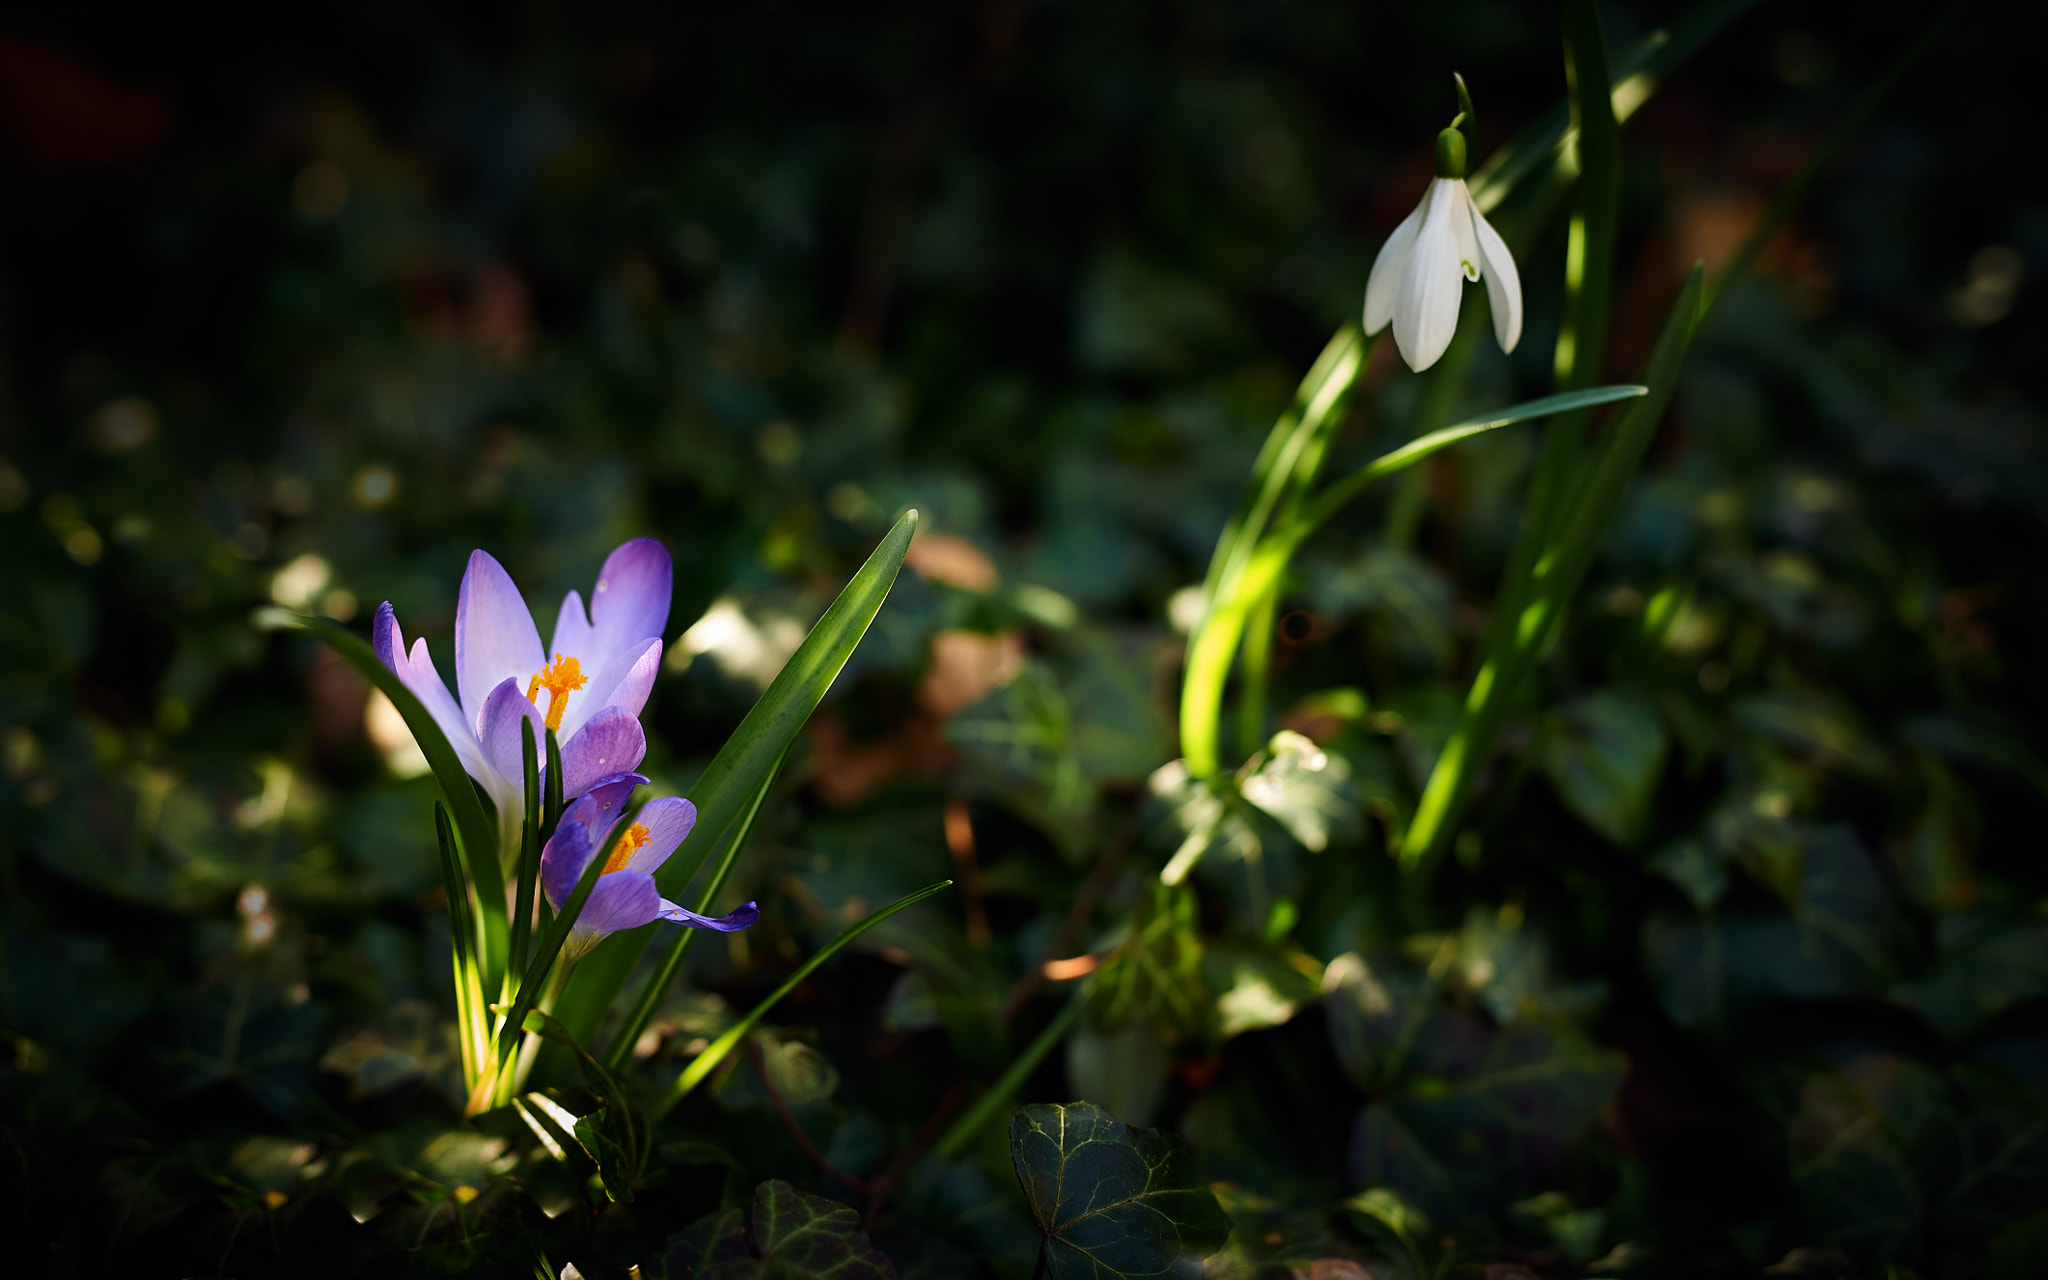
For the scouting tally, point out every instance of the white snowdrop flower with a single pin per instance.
(1419, 277)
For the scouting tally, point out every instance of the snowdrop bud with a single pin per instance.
(1450, 154)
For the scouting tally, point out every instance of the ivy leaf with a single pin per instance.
(1604, 754)
(709, 1242)
(1306, 790)
(795, 1236)
(1112, 1202)
(599, 1136)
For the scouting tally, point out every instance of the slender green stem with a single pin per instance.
(664, 975)
(991, 1103)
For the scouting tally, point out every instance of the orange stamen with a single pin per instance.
(628, 845)
(565, 674)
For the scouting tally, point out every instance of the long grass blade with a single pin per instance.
(735, 775)
(529, 849)
(1333, 499)
(703, 1064)
(671, 963)
(1557, 578)
(462, 956)
(1288, 460)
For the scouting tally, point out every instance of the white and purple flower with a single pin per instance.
(603, 667)
(625, 896)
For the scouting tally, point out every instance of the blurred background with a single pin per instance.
(300, 304)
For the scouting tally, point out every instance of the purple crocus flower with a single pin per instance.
(602, 669)
(624, 896)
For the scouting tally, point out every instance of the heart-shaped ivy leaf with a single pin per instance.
(794, 1236)
(1112, 1202)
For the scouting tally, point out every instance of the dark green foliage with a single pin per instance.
(1736, 963)
(790, 1235)
(1112, 1201)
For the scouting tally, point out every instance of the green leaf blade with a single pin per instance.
(743, 766)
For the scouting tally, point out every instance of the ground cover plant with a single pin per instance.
(1022, 641)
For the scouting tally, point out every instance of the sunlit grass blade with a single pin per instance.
(1289, 459)
(1557, 577)
(1333, 499)
(704, 1063)
(671, 962)
(471, 1032)
(1589, 256)
(1212, 648)
(478, 844)
(736, 774)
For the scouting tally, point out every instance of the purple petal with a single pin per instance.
(624, 683)
(630, 602)
(740, 919)
(621, 900)
(572, 630)
(386, 638)
(612, 742)
(667, 820)
(417, 673)
(563, 860)
(494, 635)
(599, 807)
(499, 729)
(421, 676)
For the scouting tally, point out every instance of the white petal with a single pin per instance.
(1461, 225)
(1503, 284)
(1385, 279)
(1426, 301)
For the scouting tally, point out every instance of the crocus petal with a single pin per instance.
(1426, 303)
(417, 672)
(563, 860)
(668, 820)
(494, 634)
(612, 742)
(1503, 284)
(630, 601)
(572, 630)
(1462, 214)
(498, 729)
(625, 683)
(599, 807)
(747, 914)
(621, 900)
(1385, 279)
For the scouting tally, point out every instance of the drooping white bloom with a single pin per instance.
(1419, 278)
